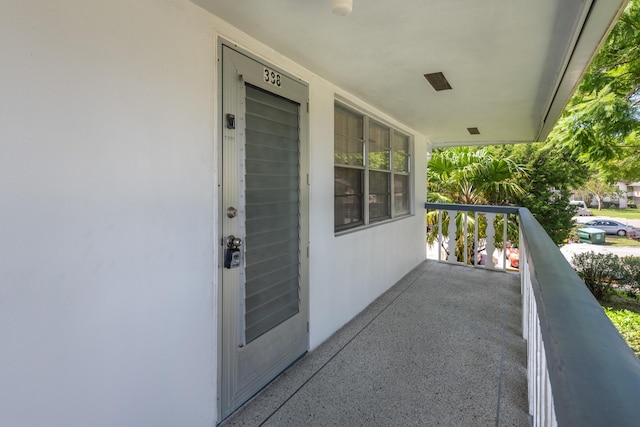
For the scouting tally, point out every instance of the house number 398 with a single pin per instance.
(272, 77)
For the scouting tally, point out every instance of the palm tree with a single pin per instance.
(472, 176)
(465, 175)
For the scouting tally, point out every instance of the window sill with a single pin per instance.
(372, 225)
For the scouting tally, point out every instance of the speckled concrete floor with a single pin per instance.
(443, 347)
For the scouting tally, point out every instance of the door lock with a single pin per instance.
(232, 253)
(231, 121)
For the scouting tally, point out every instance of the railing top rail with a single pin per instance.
(473, 208)
(595, 376)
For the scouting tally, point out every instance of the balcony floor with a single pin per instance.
(443, 347)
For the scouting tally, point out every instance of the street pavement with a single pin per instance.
(571, 249)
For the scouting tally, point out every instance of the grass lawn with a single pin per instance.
(624, 313)
(618, 213)
(620, 241)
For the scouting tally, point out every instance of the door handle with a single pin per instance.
(233, 242)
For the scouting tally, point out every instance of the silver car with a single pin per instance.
(612, 227)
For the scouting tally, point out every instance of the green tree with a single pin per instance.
(468, 175)
(601, 123)
(597, 187)
(551, 175)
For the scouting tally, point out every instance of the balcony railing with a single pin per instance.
(491, 235)
(580, 370)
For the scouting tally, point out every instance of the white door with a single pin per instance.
(264, 226)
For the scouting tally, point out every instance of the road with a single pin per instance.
(570, 249)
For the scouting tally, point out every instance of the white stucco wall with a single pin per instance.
(108, 196)
(349, 271)
(107, 210)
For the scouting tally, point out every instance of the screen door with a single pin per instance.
(264, 226)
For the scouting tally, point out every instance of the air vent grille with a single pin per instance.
(438, 81)
(473, 131)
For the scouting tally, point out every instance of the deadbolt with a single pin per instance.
(232, 212)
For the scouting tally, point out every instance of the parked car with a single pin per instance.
(580, 207)
(612, 227)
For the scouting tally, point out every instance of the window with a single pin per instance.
(372, 170)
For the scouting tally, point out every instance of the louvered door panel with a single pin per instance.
(272, 211)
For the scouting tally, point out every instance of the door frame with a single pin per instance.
(221, 210)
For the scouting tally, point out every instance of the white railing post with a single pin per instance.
(476, 241)
(440, 234)
(464, 236)
(491, 233)
(505, 259)
(452, 236)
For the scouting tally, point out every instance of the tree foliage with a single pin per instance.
(599, 188)
(551, 174)
(601, 123)
(534, 176)
(471, 175)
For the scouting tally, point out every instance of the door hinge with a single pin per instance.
(308, 180)
(307, 251)
(307, 107)
(307, 326)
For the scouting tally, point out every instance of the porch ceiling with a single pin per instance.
(512, 64)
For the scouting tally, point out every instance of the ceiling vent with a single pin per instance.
(438, 81)
(473, 131)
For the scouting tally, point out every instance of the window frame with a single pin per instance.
(366, 169)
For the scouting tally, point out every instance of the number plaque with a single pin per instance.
(272, 77)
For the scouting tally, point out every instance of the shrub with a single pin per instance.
(630, 269)
(628, 323)
(598, 271)
(573, 236)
